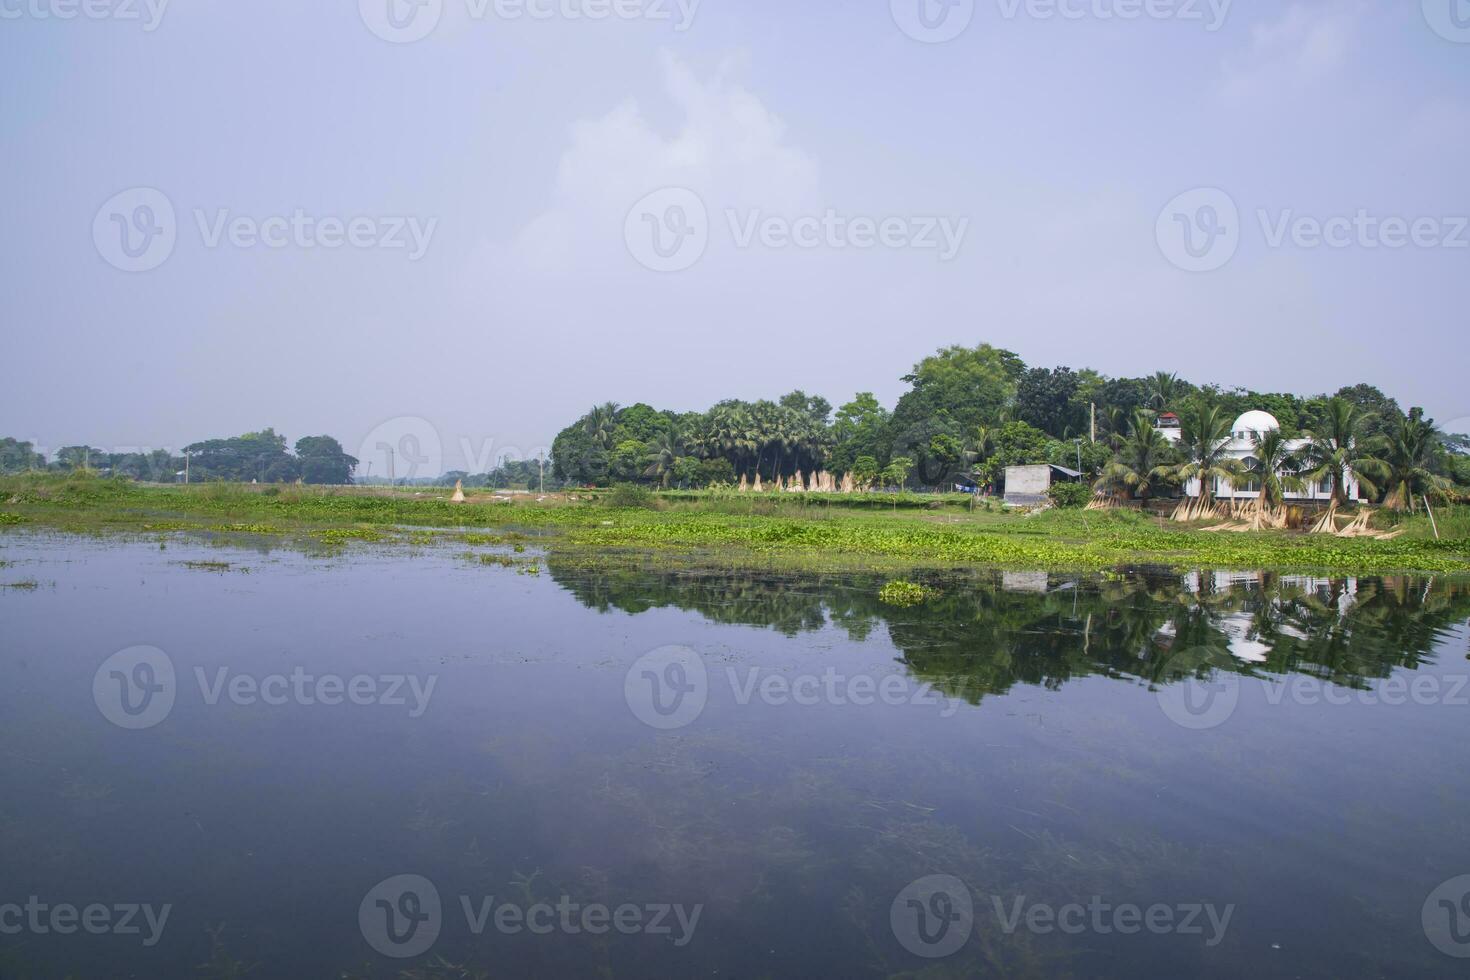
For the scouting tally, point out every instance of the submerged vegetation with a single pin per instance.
(814, 530)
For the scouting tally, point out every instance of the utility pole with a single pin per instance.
(1092, 408)
(541, 465)
(186, 466)
(1432, 522)
(391, 479)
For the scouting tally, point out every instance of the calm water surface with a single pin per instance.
(760, 775)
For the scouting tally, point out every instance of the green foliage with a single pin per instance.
(626, 495)
(900, 592)
(1070, 495)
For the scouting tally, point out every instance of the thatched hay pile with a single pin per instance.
(458, 497)
(756, 486)
(1196, 509)
(1359, 527)
(744, 485)
(1103, 501)
(847, 485)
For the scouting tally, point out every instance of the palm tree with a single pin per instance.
(1405, 456)
(1275, 465)
(601, 422)
(1141, 459)
(1162, 389)
(1205, 438)
(1337, 445)
(664, 450)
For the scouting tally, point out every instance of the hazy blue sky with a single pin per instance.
(519, 146)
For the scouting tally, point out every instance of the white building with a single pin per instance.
(1239, 446)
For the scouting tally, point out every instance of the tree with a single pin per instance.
(1162, 390)
(70, 458)
(578, 456)
(1406, 457)
(665, 450)
(628, 460)
(1274, 465)
(959, 389)
(859, 429)
(1204, 438)
(19, 457)
(1381, 413)
(896, 473)
(1143, 459)
(324, 461)
(1338, 443)
(1017, 444)
(600, 424)
(1046, 400)
(865, 472)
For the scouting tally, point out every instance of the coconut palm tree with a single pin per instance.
(1141, 460)
(1163, 388)
(1205, 437)
(664, 450)
(1275, 465)
(1336, 445)
(1406, 456)
(601, 422)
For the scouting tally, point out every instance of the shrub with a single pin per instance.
(1070, 495)
(903, 593)
(628, 495)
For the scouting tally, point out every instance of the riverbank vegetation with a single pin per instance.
(795, 530)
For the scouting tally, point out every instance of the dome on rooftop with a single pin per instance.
(1254, 422)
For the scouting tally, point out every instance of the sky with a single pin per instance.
(467, 221)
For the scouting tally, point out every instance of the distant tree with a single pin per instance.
(628, 460)
(1381, 413)
(896, 473)
(1338, 444)
(1017, 444)
(1143, 460)
(1274, 465)
(688, 472)
(1163, 390)
(1205, 439)
(717, 470)
(70, 458)
(322, 460)
(865, 471)
(1046, 399)
(19, 457)
(1407, 460)
(859, 429)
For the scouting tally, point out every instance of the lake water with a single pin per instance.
(362, 763)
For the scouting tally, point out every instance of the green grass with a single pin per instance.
(804, 531)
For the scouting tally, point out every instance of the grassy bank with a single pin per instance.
(794, 530)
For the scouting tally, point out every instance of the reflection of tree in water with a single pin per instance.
(989, 630)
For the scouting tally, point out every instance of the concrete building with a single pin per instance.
(1239, 446)
(1026, 486)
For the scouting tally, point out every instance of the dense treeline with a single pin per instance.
(971, 412)
(261, 457)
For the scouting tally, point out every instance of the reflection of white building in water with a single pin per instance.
(1240, 445)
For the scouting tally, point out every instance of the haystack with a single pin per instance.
(847, 484)
(744, 484)
(458, 497)
(756, 487)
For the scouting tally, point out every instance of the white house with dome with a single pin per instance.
(1240, 445)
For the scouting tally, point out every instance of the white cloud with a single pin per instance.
(1306, 44)
(728, 148)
